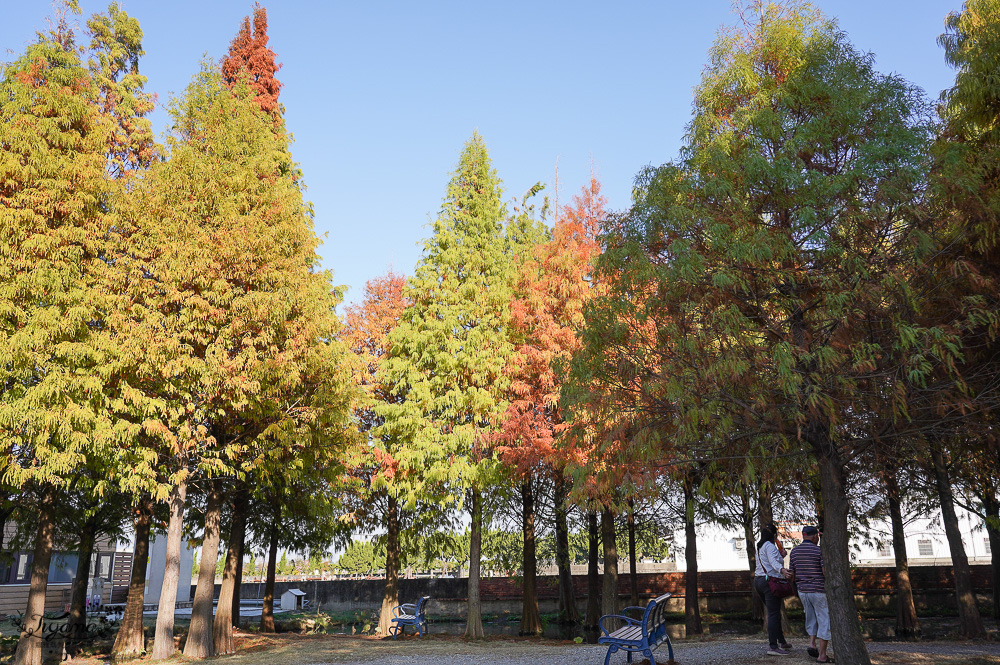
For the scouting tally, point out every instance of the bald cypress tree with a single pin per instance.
(52, 187)
(452, 344)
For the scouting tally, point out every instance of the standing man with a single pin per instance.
(806, 562)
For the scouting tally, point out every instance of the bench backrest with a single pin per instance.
(421, 606)
(654, 622)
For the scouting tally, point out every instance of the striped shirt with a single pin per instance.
(806, 561)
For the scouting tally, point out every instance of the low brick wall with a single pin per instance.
(718, 591)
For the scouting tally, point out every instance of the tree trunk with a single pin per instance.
(531, 622)
(474, 622)
(591, 628)
(609, 592)
(765, 509)
(907, 623)
(692, 612)
(29, 646)
(568, 613)
(222, 625)
(267, 610)
(632, 564)
(991, 509)
(837, 565)
(238, 583)
(756, 606)
(970, 623)
(163, 641)
(131, 640)
(390, 596)
(200, 643)
(76, 625)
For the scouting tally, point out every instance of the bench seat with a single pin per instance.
(638, 635)
(410, 614)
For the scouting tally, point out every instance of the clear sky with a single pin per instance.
(381, 96)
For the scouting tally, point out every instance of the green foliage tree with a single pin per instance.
(239, 322)
(63, 157)
(452, 344)
(967, 189)
(774, 259)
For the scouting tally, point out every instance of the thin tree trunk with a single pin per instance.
(970, 623)
(591, 628)
(76, 628)
(238, 582)
(267, 610)
(765, 508)
(29, 646)
(609, 592)
(568, 613)
(390, 596)
(907, 623)
(692, 612)
(837, 565)
(222, 625)
(131, 640)
(746, 516)
(531, 622)
(163, 641)
(474, 622)
(200, 643)
(818, 500)
(632, 564)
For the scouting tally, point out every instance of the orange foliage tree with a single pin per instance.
(547, 312)
(366, 331)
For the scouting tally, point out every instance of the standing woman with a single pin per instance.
(771, 564)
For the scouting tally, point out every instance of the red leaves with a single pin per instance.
(251, 60)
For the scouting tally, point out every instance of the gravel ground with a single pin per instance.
(731, 651)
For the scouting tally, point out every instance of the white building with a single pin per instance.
(157, 564)
(926, 544)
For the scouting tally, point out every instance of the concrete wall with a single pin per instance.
(719, 591)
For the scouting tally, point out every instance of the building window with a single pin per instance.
(697, 554)
(22, 568)
(925, 548)
(884, 551)
(989, 552)
(100, 566)
(62, 570)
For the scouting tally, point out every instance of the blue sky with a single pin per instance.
(380, 96)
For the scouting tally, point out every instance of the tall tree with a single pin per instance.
(62, 159)
(553, 286)
(774, 257)
(366, 332)
(225, 288)
(967, 190)
(452, 344)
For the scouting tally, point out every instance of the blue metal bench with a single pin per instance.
(410, 614)
(638, 636)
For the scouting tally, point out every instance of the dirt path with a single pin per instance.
(444, 650)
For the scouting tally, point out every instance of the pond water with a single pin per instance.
(874, 629)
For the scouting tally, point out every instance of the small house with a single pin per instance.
(292, 599)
